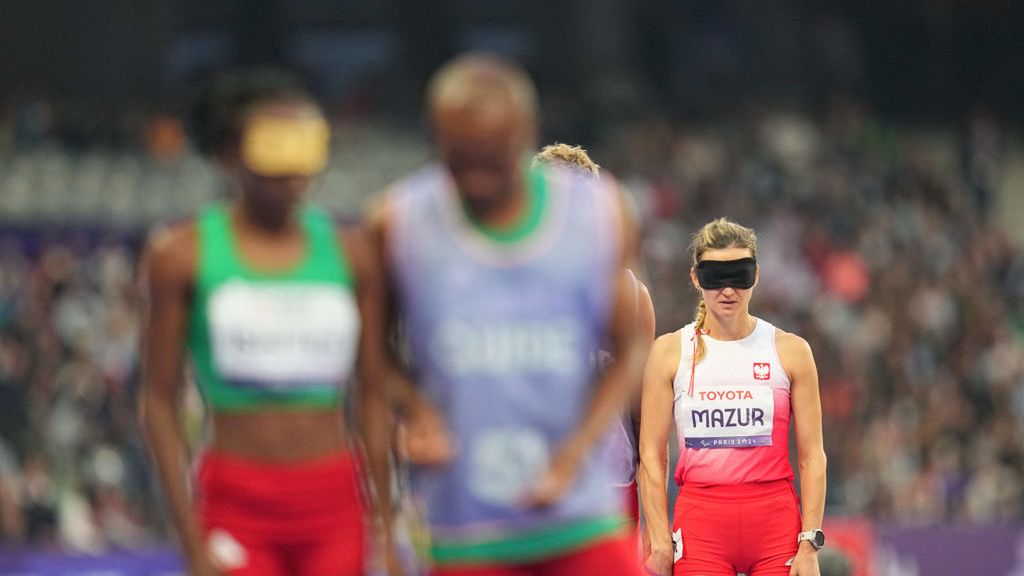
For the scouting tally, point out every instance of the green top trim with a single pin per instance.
(537, 195)
(531, 546)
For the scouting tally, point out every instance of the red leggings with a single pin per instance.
(265, 519)
(749, 528)
(616, 557)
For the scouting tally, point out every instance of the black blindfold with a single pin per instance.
(716, 274)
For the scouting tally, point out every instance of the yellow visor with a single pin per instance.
(280, 146)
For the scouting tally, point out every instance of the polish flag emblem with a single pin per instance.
(762, 371)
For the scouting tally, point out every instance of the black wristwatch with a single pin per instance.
(815, 537)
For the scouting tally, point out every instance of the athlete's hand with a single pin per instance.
(423, 437)
(553, 485)
(202, 565)
(806, 562)
(200, 556)
(392, 562)
(384, 557)
(659, 561)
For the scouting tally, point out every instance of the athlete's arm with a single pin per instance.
(401, 393)
(647, 325)
(424, 438)
(375, 417)
(612, 393)
(655, 425)
(798, 360)
(167, 277)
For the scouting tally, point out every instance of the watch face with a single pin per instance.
(819, 539)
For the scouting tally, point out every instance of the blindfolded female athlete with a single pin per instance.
(731, 382)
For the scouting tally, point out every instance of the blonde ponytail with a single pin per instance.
(698, 329)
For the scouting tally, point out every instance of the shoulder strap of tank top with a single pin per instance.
(328, 252)
(215, 241)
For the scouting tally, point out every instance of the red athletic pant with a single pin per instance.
(749, 528)
(264, 519)
(616, 557)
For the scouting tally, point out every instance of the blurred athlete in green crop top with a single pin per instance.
(266, 298)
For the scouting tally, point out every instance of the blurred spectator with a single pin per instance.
(12, 521)
(39, 499)
(164, 137)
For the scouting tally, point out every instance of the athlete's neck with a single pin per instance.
(501, 213)
(278, 224)
(736, 327)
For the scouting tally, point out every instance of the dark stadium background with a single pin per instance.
(874, 145)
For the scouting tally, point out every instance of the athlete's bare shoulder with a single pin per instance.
(790, 343)
(379, 208)
(794, 352)
(643, 292)
(670, 341)
(644, 306)
(354, 239)
(665, 351)
(627, 277)
(171, 253)
(360, 253)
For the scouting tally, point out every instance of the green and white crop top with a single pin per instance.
(263, 340)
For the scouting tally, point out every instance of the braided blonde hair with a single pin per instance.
(718, 234)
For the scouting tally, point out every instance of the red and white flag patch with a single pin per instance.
(762, 371)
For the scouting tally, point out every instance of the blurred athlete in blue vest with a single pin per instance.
(506, 279)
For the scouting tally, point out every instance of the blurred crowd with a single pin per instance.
(72, 467)
(875, 245)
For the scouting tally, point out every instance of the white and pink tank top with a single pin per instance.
(734, 429)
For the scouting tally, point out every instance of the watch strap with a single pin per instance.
(810, 536)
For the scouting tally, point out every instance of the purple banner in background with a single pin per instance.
(993, 550)
(138, 563)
